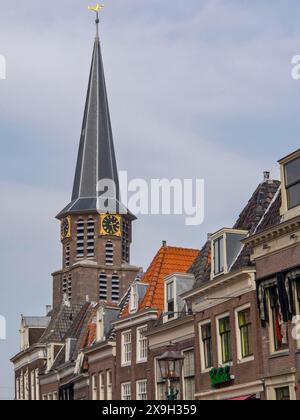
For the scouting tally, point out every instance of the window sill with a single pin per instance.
(126, 364)
(282, 353)
(223, 365)
(138, 362)
(246, 360)
(206, 370)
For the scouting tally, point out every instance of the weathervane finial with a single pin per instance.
(97, 9)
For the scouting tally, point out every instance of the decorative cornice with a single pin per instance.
(274, 232)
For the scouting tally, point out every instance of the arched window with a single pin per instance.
(103, 286)
(115, 288)
(91, 238)
(80, 239)
(109, 253)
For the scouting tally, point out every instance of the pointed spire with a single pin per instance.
(96, 156)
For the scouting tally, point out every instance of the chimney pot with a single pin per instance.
(164, 244)
(266, 176)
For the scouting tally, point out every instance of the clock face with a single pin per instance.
(65, 228)
(111, 225)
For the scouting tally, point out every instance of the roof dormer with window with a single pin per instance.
(290, 179)
(176, 285)
(226, 246)
(137, 294)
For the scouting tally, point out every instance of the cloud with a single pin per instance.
(196, 88)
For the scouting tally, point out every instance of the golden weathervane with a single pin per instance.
(96, 8)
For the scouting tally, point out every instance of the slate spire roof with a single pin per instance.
(96, 156)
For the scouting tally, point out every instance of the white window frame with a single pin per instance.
(219, 343)
(37, 384)
(168, 318)
(26, 385)
(240, 358)
(32, 386)
(18, 394)
(134, 299)
(272, 347)
(225, 268)
(101, 386)
(126, 362)
(139, 341)
(100, 325)
(124, 387)
(109, 384)
(156, 370)
(94, 388)
(183, 376)
(202, 357)
(140, 383)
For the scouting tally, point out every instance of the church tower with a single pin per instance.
(95, 240)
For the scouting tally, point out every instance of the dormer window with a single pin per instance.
(218, 246)
(134, 299)
(226, 245)
(292, 183)
(100, 325)
(170, 300)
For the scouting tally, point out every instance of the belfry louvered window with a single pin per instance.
(67, 256)
(67, 286)
(115, 287)
(103, 287)
(109, 253)
(91, 238)
(70, 287)
(80, 239)
(125, 241)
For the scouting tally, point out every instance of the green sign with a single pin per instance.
(220, 376)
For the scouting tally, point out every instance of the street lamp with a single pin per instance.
(170, 365)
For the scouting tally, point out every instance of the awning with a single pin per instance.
(244, 398)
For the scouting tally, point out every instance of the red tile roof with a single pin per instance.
(168, 260)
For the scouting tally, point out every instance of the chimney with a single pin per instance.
(48, 309)
(164, 244)
(266, 176)
(209, 235)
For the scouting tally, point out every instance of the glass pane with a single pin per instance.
(283, 394)
(216, 256)
(293, 195)
(170, 293)
(221, 250)
(292, 171)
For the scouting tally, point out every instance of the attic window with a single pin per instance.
(218, 245)
(134, 299)
(170, 300)
(226, 246)
(292, 183)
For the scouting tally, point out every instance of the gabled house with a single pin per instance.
(223, 303)
(146, 306)
(276, 253)
(31, 358)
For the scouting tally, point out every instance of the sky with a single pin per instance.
(197, 89)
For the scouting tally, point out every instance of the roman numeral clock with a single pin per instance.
(110, 225)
